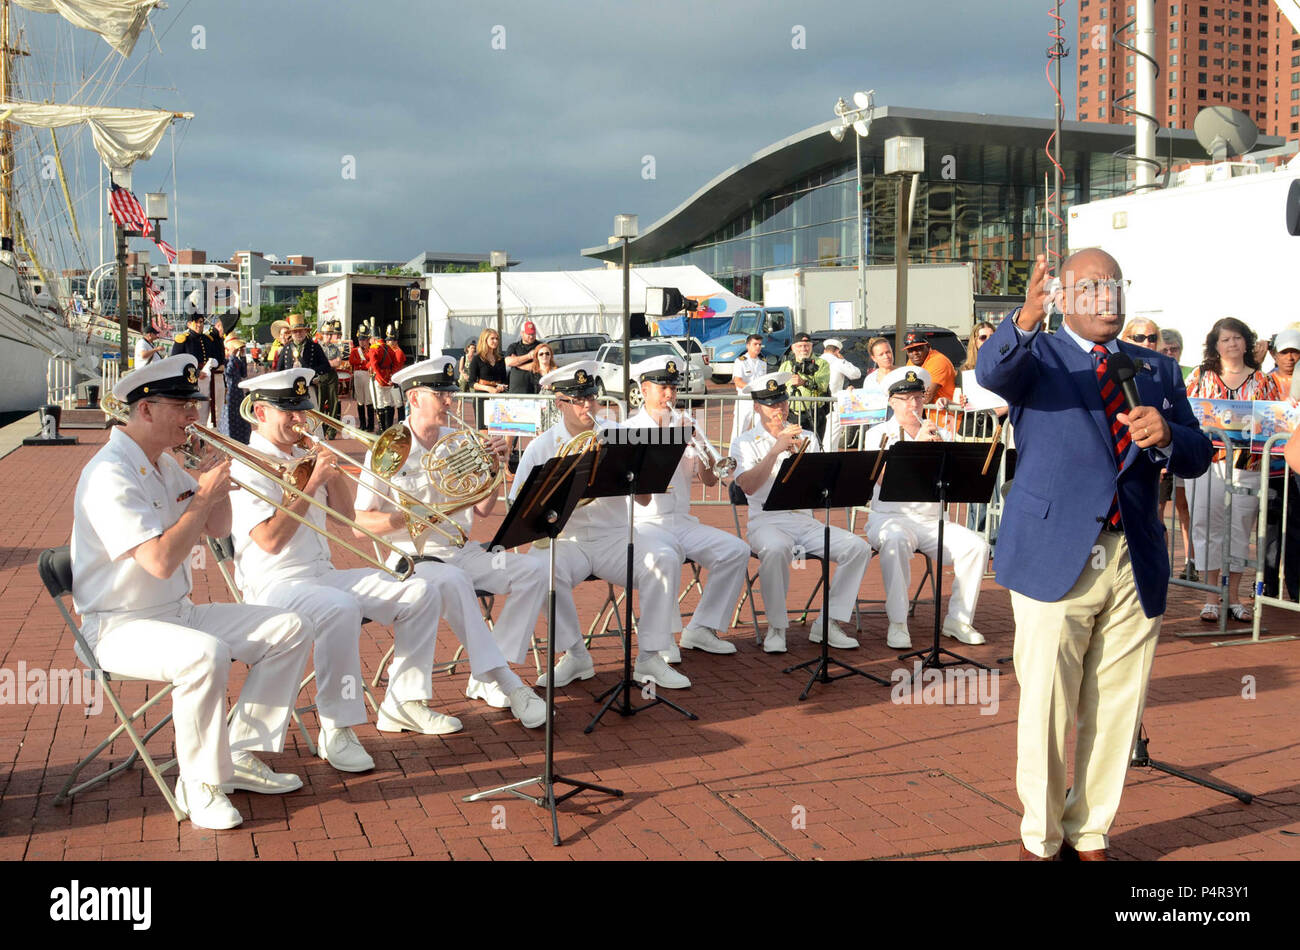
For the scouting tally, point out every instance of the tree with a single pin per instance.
(306, 302)
(484, 267)
(388, 271)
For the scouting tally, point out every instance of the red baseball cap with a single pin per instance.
(529, 327)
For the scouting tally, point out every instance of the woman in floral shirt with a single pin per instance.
(1229, 370)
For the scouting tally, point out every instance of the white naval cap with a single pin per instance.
(769, 388)
(576, 379)
(906, 379)
(658, 369)
(285, 390)
(438, 372)
(175, 377)
(831, 341)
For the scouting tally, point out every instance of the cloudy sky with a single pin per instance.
(460, 145)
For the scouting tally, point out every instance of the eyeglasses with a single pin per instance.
(185, 405)
(576, 400)
(1145, 338)
(909, 397)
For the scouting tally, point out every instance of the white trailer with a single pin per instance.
(826, 298)
(1202, 251)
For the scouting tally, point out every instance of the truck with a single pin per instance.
(807, 299)
(1224, 243)
(378, 300)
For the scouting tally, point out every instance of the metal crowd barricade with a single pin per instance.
(109, 373)
(1262, 599)
(61, 383)
(1194, 488)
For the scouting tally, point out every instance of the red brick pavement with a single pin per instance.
(847, 774)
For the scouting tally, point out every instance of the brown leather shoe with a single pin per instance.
(1068, 853)
(1027, 855)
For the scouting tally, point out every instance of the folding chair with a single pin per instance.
(55, 567)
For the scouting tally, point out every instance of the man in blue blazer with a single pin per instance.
(1080, 545)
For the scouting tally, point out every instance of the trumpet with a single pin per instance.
(720, 465)
(420, 517)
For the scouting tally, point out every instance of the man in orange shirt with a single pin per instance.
(943, 377)
(399, 362)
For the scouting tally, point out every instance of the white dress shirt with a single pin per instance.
(926, 510)
(749, 449)
(599, 515)
(841, 371)
(674, 504)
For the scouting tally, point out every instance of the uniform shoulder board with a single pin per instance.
(181, 337)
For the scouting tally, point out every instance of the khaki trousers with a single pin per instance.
(1084, 658)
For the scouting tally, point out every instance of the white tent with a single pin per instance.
(559, 302)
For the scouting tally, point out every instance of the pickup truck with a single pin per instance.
(774, 323)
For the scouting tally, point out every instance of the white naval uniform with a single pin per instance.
(720, 553)
(896, 529)
(600, 532)
(523, 578)
(301, 577)
(138, 625)
(775, 536)
(749, 370)
(842, 371)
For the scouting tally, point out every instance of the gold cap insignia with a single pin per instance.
(191, 374)
(771, 385)
(671, 367)
(580, 377)
(300, 386)
(448, 371)
(911, 376)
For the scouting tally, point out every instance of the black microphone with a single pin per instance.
(1121, 368)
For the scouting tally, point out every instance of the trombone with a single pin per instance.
(420, 517)
(292, 476)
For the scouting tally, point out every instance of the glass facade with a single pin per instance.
(978, 203)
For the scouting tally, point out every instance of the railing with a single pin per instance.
(1282, 510)
(61, 382)
(109, 373)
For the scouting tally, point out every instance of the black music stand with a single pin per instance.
(825, 480)
(940, 472)
(631, 462)
(541, 509)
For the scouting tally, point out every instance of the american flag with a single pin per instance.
(127, 212)
(157, 303)
(168, 251)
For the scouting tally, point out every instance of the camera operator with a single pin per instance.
(811, 377)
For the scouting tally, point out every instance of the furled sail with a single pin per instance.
(121, 136)
(119, 22)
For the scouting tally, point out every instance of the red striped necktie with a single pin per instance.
(1112, 400)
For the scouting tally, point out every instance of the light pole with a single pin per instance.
(625, 228)
(497, 260)
(860, 119)
(904, 158)
(155, 209)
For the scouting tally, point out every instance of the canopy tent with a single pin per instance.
(559, 302)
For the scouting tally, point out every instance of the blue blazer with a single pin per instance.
(1066, 472)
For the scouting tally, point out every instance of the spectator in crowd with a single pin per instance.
(521, 361)
(1143, 332)
(1286, 353)
(882, 354)
(279, 340)
(843, 374)
(811, 376)
(1171, 345)
(1229, 370)
(147, 348)
(462, 368)
(978, 334)
(545, 359)
(487, 371)
(236, 370)
(943, 375)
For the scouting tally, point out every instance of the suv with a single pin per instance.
(570, 348)
(609, 370)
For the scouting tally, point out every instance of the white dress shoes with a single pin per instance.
(490, 693)
(962, 632)
(838, 638)
(654, 668)
(898, 637)
(342, 749)
(702, 638)
(414, 716)
(528, 707)
(673, 654)
(569, 668)
(774, 640)
(206, 805)
(254, 775)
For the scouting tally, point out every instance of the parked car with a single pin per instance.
(610, 367)
(571, 347)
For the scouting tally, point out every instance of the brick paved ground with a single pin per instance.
(847, 774)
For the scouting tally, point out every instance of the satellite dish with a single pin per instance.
(1224, 132)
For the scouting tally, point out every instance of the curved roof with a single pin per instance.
(743, 185)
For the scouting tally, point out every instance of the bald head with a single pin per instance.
(1090, 294)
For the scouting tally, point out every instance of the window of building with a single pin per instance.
(1245, 32)
(1173, 9)
(1204, 11)
(1084, 84)
(1083, 67)
(1173, 77)
(1173, 42)
(1295, 126)
(1232, 97)
(1128, 76)
(1200, 94)
(1295, 110)
(1131, 9)
(1295, 60)
(1101, 95)
(1173, 93)
(1201, 77)
(1173, 109)
(1105, 12)
(1202, 61)
(1101, 62)
(1083, 100)
(1173, 60)
(1295, 77)
(1203, 28)
(1202, 45)
(1295, 93)
(1129, 60)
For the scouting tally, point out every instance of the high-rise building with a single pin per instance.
(1239, 53)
